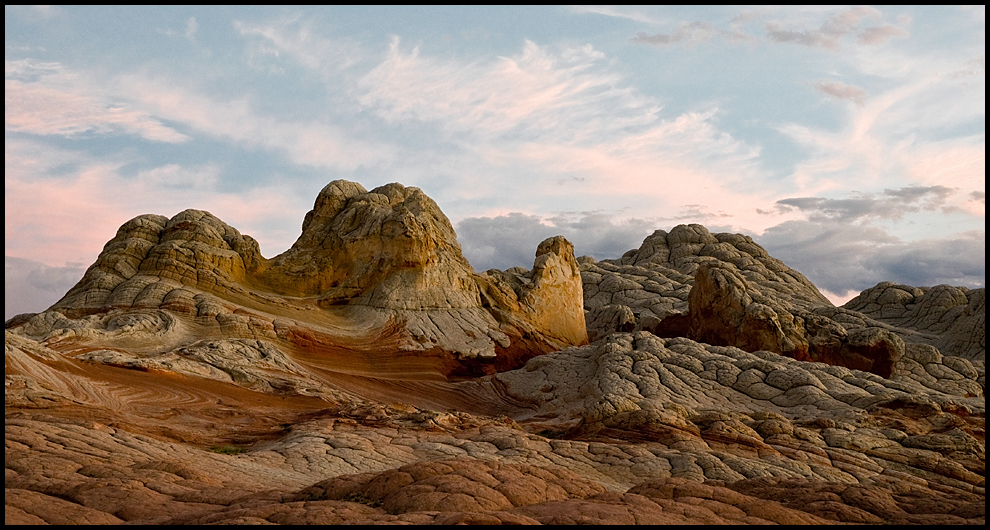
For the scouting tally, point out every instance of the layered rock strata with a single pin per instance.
(188, 380)
(724, 289)
(380, 267)
(633, 429)
(953, 319)
(651, 285)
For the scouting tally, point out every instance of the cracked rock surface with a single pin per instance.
(368, 376)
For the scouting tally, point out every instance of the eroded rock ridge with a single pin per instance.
(369, 375)
(383, 267)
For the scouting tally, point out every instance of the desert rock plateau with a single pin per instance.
(369, 374)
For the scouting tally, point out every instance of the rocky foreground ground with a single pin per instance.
(369, 375)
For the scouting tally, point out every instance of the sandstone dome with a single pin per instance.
(369, 375)
(381, 267)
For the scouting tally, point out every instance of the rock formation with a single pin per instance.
(369, 375)
(953, 319)
(655, 281)
(381, 268)
(725, 290)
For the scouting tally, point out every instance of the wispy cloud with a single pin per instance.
(46, 99)
(579, 133)
(191, 27)
(785, 26)
(841, 90)
(296, 37)
(534, 93)
(687, 33)
(973, 67)
(624, 12)
(897, 135)
(313, 142)
(506, 141)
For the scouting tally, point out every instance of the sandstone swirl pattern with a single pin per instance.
(369, 375)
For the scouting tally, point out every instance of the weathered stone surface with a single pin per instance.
(188, 380)
(725, 309)
(724, 289)
(382, 266)
(953, 319)
(666, 263)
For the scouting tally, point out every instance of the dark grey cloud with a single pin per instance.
(511, 240)
(840, 257)
(837, 256)
(891, 204)
(30, 287)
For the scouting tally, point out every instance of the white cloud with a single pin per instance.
(533, 94)
(45, 99)
(624, 12)
(313, 142)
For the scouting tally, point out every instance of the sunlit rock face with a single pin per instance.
(726, 310)
(369, 375)
(383, 264)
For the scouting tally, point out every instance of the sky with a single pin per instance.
(850, 142)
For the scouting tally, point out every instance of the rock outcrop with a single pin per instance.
(724, 289)
(953, 319)
(726, 310)
(654, 281)
(369, 375)
(381, 267)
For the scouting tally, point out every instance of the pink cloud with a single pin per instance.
(55, 219)
(533, 93)
(54, 102)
